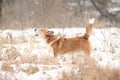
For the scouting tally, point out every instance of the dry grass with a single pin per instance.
(30, 69)
(88, 70)
(6, 67)
(84, 68)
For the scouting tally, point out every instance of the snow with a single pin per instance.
(41, 64)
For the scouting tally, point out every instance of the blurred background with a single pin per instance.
(21, 14)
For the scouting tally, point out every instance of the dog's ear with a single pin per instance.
(44, 30)
(50, 33)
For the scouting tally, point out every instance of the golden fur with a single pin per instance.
(64, 45)
(48, 35)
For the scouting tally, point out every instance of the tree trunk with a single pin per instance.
(1, 1)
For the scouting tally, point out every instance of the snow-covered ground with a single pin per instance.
(25, 56)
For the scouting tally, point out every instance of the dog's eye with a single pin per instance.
(52, 32)
(41, 30)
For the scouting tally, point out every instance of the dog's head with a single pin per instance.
(48, 35)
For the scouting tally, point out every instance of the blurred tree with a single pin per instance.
(1, 1)
(75, 6)
(102, 7)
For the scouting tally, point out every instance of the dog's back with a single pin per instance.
(65, 45)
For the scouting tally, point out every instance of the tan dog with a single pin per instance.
(64, 45)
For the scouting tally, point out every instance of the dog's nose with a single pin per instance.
(35, 30)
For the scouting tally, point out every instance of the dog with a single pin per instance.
(65, 45)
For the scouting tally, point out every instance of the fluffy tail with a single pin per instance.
(89, 28)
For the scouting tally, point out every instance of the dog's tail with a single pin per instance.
(89, 28)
